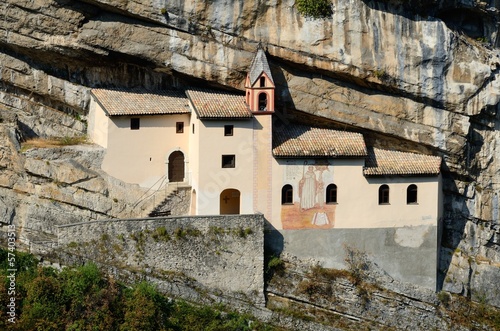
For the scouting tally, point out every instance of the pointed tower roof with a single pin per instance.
(259, 65)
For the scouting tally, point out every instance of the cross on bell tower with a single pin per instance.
(260, 85)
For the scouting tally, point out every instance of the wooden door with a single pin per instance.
(176, 167)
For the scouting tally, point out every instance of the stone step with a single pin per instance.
(171, 191)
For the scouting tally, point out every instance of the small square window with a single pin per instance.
(228, 130)
(228, 161)
(135, 123)
(179, 127)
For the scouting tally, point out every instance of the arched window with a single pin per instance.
(287, 194)
(331, 193)
(383, 194)
(263, 101)
(262, 81)
(411, 194)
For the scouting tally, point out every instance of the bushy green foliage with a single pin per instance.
(145, 309)
(444, 297)
(273, 265)
(82, 299)
(314, 8)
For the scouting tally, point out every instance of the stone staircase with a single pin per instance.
(176, 202)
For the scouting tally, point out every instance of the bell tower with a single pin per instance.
(260, 100)
(259, 85)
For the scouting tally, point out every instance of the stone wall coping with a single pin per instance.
(109, 220)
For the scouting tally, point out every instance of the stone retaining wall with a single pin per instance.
(221, 253)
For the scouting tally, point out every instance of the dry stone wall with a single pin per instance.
(222, 253)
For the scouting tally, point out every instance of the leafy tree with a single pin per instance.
(41, 307)
(145, 309)
(84, 299)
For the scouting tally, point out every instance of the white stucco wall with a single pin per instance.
(263, 165)
(398, 213)
(97, 128)
(194, 162)
(210, 179)
(357, 196)
(140, 156)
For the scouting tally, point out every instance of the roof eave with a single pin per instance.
(150, 114)
(296, 156)
(401, 175)
(212, 118)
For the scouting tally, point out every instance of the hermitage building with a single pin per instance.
(236, 160)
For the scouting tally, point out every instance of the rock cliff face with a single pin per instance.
(415, 75)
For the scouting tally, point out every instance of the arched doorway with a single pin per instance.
(230, 202)
(176, 167)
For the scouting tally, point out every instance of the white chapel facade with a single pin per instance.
(225, 147)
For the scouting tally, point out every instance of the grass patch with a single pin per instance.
(181, 233)
(53, 142)
(72, 245)
(243, 233)
(161, 234)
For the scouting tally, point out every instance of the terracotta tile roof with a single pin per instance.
(384, 162)
(211, 104)
(304, 141)
(258, 66)
(141, 102)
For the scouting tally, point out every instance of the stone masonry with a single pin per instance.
(222, 253)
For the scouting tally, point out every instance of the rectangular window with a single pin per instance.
(193, 128)
(135, 123)
(228, 130)
(179, 127)
(228, 161)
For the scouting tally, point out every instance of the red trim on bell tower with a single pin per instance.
(260, 85)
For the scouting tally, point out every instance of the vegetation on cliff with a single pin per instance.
(82, 298)
(314, 8)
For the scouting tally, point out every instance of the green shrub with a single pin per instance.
(274, 265)
(357, 264)
(82, 298)
(161, 234)
(444, 297)
(72, 245)
(145, 309)
(243, 233)
(314, 8)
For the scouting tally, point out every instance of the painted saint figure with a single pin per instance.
(307, 189)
